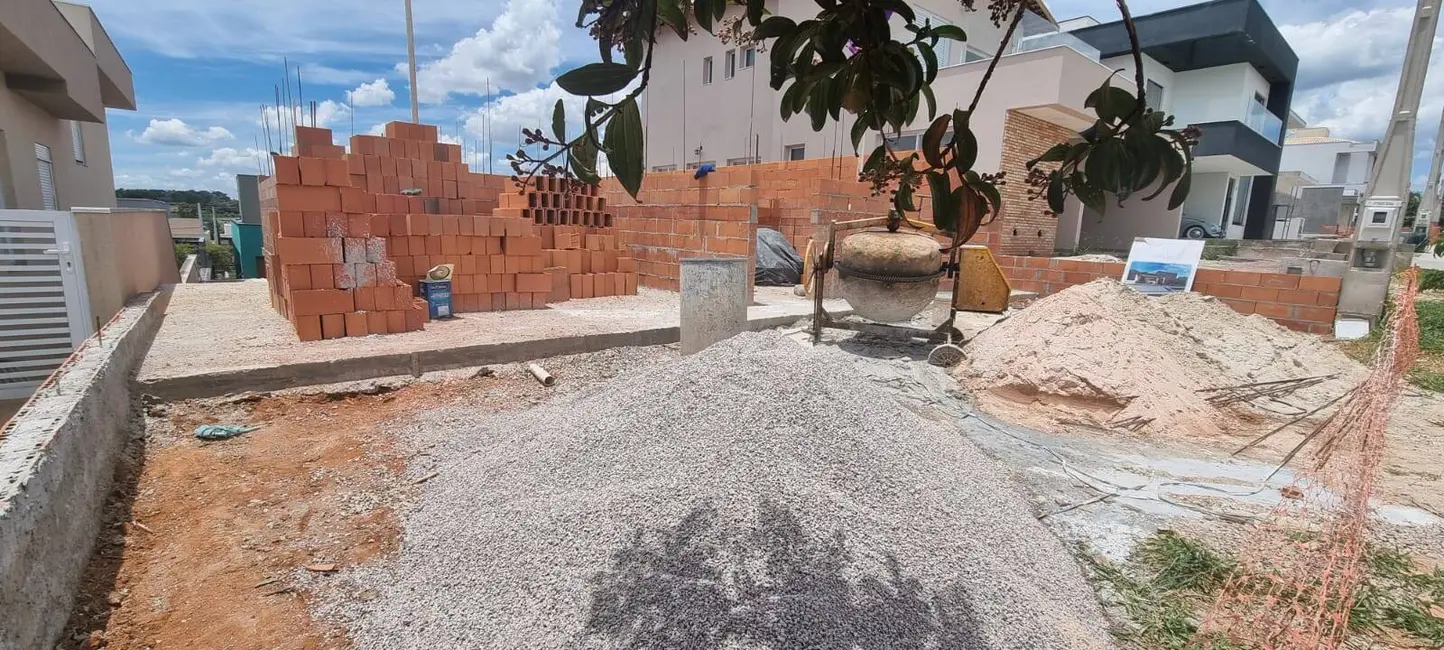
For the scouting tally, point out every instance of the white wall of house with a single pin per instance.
(1115, 229)
(1206, 196)
(1322, 161)
(1152, 71)
(1218, 94)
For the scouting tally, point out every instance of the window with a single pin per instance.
(1240, 206)
(747, 160)
(694, 165)
(902, 142)
(729, 64)
(1379, 216)
(665, 168)
(706, 70)
(77, 141)
(1155, 94)
(47, 177)
(1228, 200)
(794, 152)
(974, 54)
(749, 57)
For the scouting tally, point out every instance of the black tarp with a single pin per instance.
(778, 264)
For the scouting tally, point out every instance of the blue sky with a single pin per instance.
(204, 67)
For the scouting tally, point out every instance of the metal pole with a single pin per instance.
(1429, 203)
(411, 63)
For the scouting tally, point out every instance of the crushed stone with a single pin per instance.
(1101, 353)
(719, 501)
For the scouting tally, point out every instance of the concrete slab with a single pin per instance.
(223, 338)
(1428, 261)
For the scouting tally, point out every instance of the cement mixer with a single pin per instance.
(889, 270)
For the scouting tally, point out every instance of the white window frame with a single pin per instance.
(77, 141)
(745, 160)
(749, 57)
(1156, 93)
(665, 168)
(706, 70)
(729, 64)
(45, 168)
(787, 152)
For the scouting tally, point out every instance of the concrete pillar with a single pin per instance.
(714, 300)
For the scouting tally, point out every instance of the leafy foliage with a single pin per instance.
(849, 58)
(223, 259)
(182, 251)
(183, 202)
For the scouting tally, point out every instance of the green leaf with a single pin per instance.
(927, 93)
(584, 160)
(624, 145)
(672, 14)
(1180, 191)
(1172, 163)
(933, 140)
(950, 32)
(989, 192)
(702, 10)
(859, 129)
(1110, 103)
(1055, 193)
(559, 121)
(817, 104)
(930, 62)
(1092, 197)
(945, 213)
(774, 27)
(903, 200)
(1104, 166)
(875, 158)
(1056, 153)
(755, 9)
(965, 143)
(595, 79)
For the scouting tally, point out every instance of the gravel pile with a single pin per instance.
(722, 502)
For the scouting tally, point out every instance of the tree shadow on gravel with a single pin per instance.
(696, 585)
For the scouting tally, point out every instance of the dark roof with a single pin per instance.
(1204, 35)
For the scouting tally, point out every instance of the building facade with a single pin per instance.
(60, 72)
(1223, 67)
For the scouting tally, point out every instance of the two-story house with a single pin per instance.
(1336, 173)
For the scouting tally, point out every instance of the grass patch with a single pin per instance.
(1428, 372)
(1431, 280)
(1214, 249)
(1170, 581)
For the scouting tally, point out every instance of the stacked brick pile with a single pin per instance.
(348, 236)
(580, 247)
(334, 277)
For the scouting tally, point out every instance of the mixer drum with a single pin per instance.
(888, 277)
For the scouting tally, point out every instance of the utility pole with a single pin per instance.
(1366, 282)
(411, 62)
(1429, 202)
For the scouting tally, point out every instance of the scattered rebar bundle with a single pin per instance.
(1225, 395)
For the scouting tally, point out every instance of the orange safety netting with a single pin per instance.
(1302, 566)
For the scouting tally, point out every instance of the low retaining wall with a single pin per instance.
(57, 459)
(1306, 303)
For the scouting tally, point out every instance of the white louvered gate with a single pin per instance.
(44, 310)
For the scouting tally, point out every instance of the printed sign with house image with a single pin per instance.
(1158, 266)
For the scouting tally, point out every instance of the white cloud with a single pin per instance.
(328, 113)
(313, 73)
(531, 109)
(374, 93)
(176, 133)
(1376, 41)
(517, 52)
(379, 129)
(238, 160)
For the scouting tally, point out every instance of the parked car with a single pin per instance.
(1195, 228)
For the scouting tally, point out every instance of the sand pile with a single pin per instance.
(718, 502)
(1103, 354)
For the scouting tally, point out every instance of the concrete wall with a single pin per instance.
(23, 125)
(1217, 94)
(125, 253)
(57, 459)
(1206, 197)
(1115, 229)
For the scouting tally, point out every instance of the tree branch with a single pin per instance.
(1013, 26)
(1137, 57)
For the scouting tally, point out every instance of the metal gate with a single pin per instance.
(44, 309)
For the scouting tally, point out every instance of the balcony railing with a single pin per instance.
(1054, 39)
(1265, 123)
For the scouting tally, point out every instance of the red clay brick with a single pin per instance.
(366, 299)
(376, 322)
(313, 171)
(396, 321)
(1320, 283)
(290, 224)
(314, 302)
(323, 276)
(1222, 290)
(358, 225)
(315, 224)
(415, 319)
(296, 277)
(288, 170)
(356, 324)
(1273, 309)
(1280, 280)
(308, 328)
(1240, 306)
(333, 326)
(1243, 278)
(1296, 325)
(308, 199)
(357, 200)
(1328, 299)
(1297, 297)
(1211, 276)
(308, 250)
(1315, 314)
(1258, 293)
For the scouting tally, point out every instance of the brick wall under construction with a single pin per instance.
(347, 235)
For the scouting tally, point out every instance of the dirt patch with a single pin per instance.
(208, 543)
